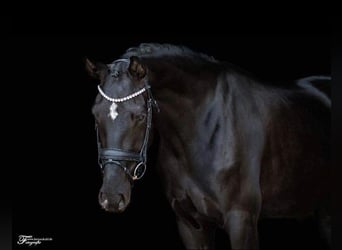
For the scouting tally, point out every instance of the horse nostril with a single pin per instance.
(101, 196)
(103, 200)
(121, 203)
(105, 203)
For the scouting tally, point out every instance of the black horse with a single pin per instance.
(231, 148)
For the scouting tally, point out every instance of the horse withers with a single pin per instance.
(231, 148)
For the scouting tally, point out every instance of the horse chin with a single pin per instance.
(115, 210)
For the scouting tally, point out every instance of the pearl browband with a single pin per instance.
(113, 108)
(123, 99)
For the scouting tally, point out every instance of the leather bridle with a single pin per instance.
(115, 156)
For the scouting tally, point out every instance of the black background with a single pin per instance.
(56, 177)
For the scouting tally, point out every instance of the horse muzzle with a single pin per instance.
(115, 203)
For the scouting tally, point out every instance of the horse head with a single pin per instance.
(123, 116)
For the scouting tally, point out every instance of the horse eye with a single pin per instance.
(141, 117)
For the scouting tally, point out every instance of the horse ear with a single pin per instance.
(96, 70)
(136, 68)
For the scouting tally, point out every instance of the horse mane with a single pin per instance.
(160, 50)
(182, 54)
(157, 50)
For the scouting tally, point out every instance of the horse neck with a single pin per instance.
(182, 94)
(181, 89)
(188, 100)
(178, 90)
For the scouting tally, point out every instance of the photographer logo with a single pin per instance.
(30, 240)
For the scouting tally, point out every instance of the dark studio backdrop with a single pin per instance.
(56, 186)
